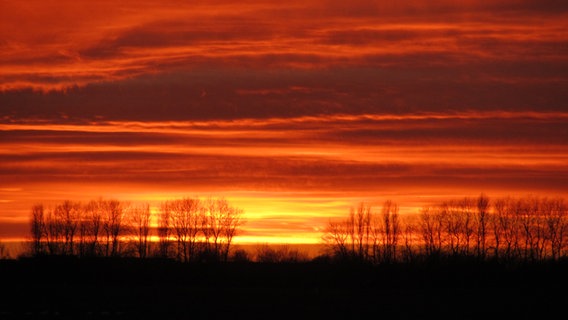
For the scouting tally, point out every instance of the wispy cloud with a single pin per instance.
(71, 44)
(354, 155)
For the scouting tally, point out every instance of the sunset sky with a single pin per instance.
(294, 111)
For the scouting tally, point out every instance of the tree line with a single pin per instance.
(504, 229)
(186, 229)
(191, 229)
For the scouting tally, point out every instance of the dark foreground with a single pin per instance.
(158, 289)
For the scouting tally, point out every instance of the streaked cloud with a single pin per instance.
(79, 43)
(290, 161)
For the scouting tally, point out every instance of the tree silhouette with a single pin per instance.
(68, 214)
(113, 226)
(482, 219)
(140, 225)
(364, 235)
(164, 231)
(93, 220)
(390, 230)
(185, 220)
(505, 229)
(279, 254)
(37, 225)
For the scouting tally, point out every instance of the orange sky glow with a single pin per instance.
(293, 111)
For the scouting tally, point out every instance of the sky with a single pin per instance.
(293, 111)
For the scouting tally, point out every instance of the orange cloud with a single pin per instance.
(289, 174)
(77, 43)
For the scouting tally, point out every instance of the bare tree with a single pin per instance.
(468, 224)
(83, 234)
(458, 225)
(37, 225)
(4, 252)
(113, 226)
(68, 214)
(336, 238)
(164, 230)
(409, 240)
(452, 226)
(186, 222)
(364, 235)
(431, 230)
(512, 228)
(279, 254)
(106, 227)
(205, 228)
(213, 227)
(556, 222)
(538, 205)
(53, 232)
(360, 222)
(391, 230)
(201, 229)
(497, 225)
(525, 216)
(482, 217)
(231, 222)
(140, 226)
(94, 212)
(220, 224)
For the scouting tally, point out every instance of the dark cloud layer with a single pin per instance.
(326, 153)
(241, 93)
(260, 59)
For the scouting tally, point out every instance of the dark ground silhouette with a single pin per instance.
(71, 288)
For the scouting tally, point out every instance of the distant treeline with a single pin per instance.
(188, 229)
(526, 229)
(506, 229)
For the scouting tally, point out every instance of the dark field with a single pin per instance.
(55, 288)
